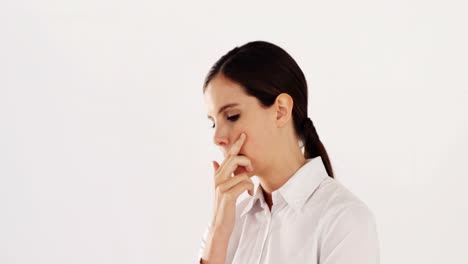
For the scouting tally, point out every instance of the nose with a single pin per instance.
(221, 139)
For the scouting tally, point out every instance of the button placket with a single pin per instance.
(265, 236)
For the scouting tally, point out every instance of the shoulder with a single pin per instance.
(338, 204)
(337, 197)
(347, 226)
(343, 214)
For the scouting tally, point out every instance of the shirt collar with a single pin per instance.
(297, 189)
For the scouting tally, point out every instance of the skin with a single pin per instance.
(271, 144)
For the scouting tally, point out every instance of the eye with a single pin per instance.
(230, 118)
(233, 118)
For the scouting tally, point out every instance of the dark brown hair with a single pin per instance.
(265, 70)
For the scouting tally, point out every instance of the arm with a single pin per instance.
(214, 247)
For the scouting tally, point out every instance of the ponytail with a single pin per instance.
(313, 147)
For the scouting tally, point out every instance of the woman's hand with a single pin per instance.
(229, 187)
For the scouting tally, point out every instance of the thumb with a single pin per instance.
(215, 165)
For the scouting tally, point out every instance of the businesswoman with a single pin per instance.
(256, 97)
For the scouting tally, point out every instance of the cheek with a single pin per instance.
(256, 149)
(256, 144)
(258, 139)
(252, 149)
(258, 132)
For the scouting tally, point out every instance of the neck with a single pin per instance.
(285, 165)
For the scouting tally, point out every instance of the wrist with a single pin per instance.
(216, 248)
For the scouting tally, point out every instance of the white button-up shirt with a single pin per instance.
(314, 219)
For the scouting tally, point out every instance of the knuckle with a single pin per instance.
(244, 176)
(229, 195)
(247, 185)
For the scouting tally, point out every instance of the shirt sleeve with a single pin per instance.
(350, 237)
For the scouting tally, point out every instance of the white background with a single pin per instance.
(105, 149)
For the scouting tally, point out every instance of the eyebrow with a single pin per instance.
(223, 108)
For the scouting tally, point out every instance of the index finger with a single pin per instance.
(234, 150)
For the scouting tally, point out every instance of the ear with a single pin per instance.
(283, 106)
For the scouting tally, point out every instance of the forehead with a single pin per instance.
(221, 91)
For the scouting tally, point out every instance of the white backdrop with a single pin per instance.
(105, 148)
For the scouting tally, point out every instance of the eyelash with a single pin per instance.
(230, 118)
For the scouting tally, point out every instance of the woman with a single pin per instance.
(256, 96)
